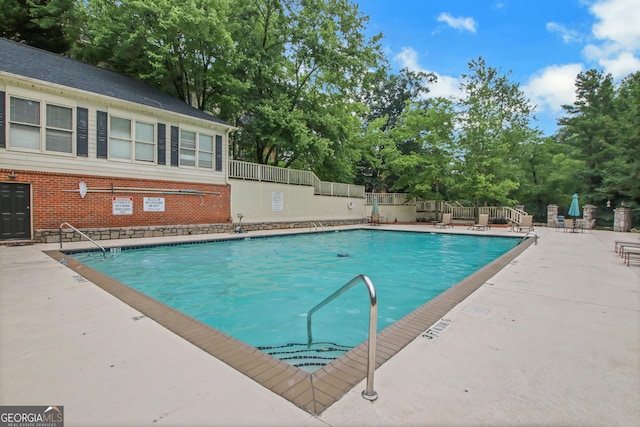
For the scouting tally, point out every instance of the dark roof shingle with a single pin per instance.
(27, 61)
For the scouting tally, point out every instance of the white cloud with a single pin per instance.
(622, 65)
(618, 33)
(459, 23)
(594, 52)
(553, 87)
(408, 57)
(567, 35)
(618, 22)
(445, 86)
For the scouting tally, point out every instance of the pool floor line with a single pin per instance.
(313, 392)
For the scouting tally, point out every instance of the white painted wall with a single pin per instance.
(255, 201)
(392, 213)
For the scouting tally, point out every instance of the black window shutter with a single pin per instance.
(82, 132)
(174, 145)
(162, 144)
(3, 116)
(101, 133)
(218, 152)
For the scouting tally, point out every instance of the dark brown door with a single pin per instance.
(15, 215)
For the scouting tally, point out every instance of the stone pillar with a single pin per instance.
(588, 213)
(622, 219)
(552, 215)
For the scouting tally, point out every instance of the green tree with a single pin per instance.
(385, 95)
(303, 62)
(546, 175)
(621, 170)
(494, 122)
(421, 149)
(372, 140)
(46, 24)
(589, 126)
(183, 48)
(622, 175)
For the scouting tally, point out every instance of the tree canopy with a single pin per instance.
(307, 89)
(47, 24)
(601, 130)
(494, 122)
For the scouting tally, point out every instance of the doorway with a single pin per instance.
(15, 211)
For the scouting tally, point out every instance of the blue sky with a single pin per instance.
(544, 43)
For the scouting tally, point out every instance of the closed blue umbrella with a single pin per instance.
(375, 217)
(574, 209)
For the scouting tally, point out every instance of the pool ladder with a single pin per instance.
(529, 234)
(315, 227)
(368, 393)
(104, 251)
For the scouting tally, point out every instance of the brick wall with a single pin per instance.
(51, 205)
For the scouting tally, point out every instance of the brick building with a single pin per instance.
(100, 150)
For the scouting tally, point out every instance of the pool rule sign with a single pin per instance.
(153, 204)
(122, 205)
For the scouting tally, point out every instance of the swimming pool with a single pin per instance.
(259, 290)
(312, 391)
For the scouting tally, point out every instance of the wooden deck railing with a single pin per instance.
(259, 172)
(510, 214)
(390, 199)
(457, 210)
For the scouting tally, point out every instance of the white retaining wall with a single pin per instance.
(260, 201)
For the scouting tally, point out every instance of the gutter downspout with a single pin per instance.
(226, 173)
(226, 167)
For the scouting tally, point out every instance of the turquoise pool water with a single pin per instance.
(259, 290)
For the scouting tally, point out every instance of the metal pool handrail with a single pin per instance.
(529, 234)
(104, 251)
(368, 393)
(316, 226)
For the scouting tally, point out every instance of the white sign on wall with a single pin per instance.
(122, 205)
(154, 204)
(277, 201)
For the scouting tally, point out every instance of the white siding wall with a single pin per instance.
(15, 158)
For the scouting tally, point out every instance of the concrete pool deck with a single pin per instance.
(553, 339)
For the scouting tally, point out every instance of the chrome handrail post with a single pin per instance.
(368, 393)
(104, 251)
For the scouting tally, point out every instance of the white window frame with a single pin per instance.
(119, 139)
(195, 154)
(205, 152)
(187, 153)
(42, 126)
(132, 139)
(55, 129)
(138, 140)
